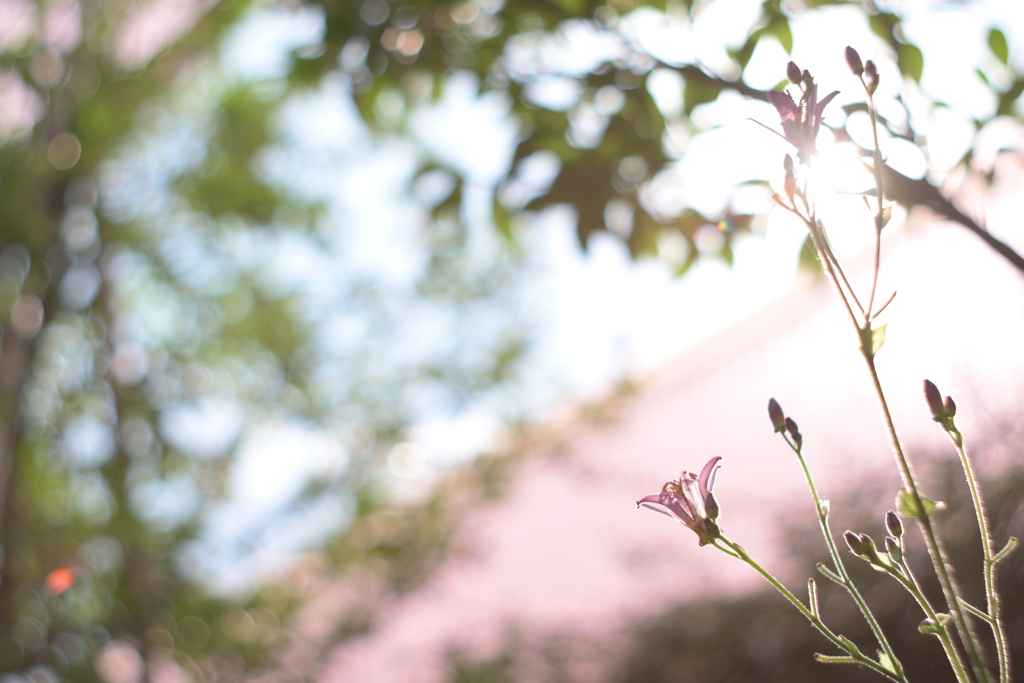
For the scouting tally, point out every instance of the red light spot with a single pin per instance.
(59, 580)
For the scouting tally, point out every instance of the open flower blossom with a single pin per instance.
(801, 121)
(690, 501)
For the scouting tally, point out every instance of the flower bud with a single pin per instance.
(853, 540)
(787, 163)
(949, 406)
(893, 524)
(775, 411)
(871, 77)
(853, 61)
(794, 432)
(711, 506)
(793, 73)
(934, 400)
(870, 553)
(892, 546)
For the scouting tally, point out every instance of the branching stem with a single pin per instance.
(837, 562)
(993, 617)
(843, 643)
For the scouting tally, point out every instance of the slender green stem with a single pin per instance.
(737, 551)
(877, 167)
(910, 582)
(821, 244)
(837, 562)
(977, 612)
(841, 274)
(942, 568)
(824, 247)
(949, 589)
(990, 563)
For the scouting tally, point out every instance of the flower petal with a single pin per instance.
(651, 506)
(706, 481)
(816, 115)
(821, 105)
(653, 498)
(784, 104)
(792, 134)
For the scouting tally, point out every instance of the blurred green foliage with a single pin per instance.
(117, 305)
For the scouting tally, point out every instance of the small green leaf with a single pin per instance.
(882, 24)
(726, 253)
(886, 663)
(503, 222)
(883, 220)
(997, 43)
(877, 339)
(910, 60)
(743, 55)
(809, 257)
(780, 29)
(871, 340)
(906, 505)
(935, 626)
(1007, 99)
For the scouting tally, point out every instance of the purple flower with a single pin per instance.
(801, 122)
(690, 501)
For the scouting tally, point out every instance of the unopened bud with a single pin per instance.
(806, 80)
(949, 406)
(853, 540)
(793, 73)
(787, 163)
(934, 400)
(794, 432)
(892, 547)
(870, 553)
(871, 77)
(789, 185)
(893, 524)
(776, 415)
(711, 506)
(853, 61)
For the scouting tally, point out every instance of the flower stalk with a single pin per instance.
(943, 412)
(822, 508)
(871, 340)
(853, 653)
(690, 501)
